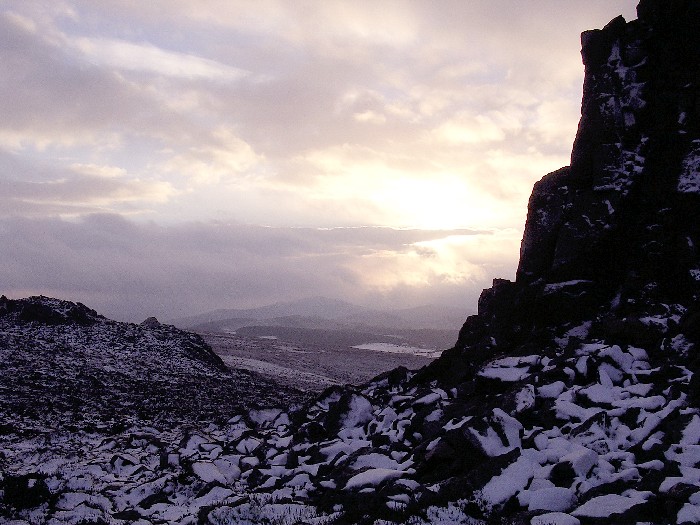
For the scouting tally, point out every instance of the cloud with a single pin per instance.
(48, 101)
(34, 189)
(295, 118)
(129, 270)
(226, 158)
(146, 57)
(492, 126)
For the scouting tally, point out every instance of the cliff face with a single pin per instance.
(628, 202)
(616, 234)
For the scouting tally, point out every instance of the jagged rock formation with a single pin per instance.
(616, 233)
(570, 398)
(151, 322)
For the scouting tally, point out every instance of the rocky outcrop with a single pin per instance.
(48, 311)
(62, 363)
(628, 204)
(616, 233)
(151, 322)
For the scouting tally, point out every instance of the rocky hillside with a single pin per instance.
(62, 362)
(571, 398)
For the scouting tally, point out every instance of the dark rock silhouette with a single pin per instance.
(151, 322)
(616, 233)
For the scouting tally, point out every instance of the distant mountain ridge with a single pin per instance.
(342, 313)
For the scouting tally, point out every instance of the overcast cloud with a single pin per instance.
(170, 157)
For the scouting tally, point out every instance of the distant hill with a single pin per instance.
(322, 310)
(330, 321)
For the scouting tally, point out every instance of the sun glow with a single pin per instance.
(439, 202)
(452, 260)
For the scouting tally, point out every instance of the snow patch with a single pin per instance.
(372, 477)
(607, 505)
(400, 349)
(555, 499)
(512, 480)
(555, 518)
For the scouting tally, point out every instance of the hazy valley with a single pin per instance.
(311, 365)
(314, 343)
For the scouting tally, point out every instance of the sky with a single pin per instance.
(172, 157)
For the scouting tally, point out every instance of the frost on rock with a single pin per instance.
(555, 518)
(606, 506)
(689, 179)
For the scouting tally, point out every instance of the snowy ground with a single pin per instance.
(400, 349)
(582, 431)
(305, 380)
(313, 367)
